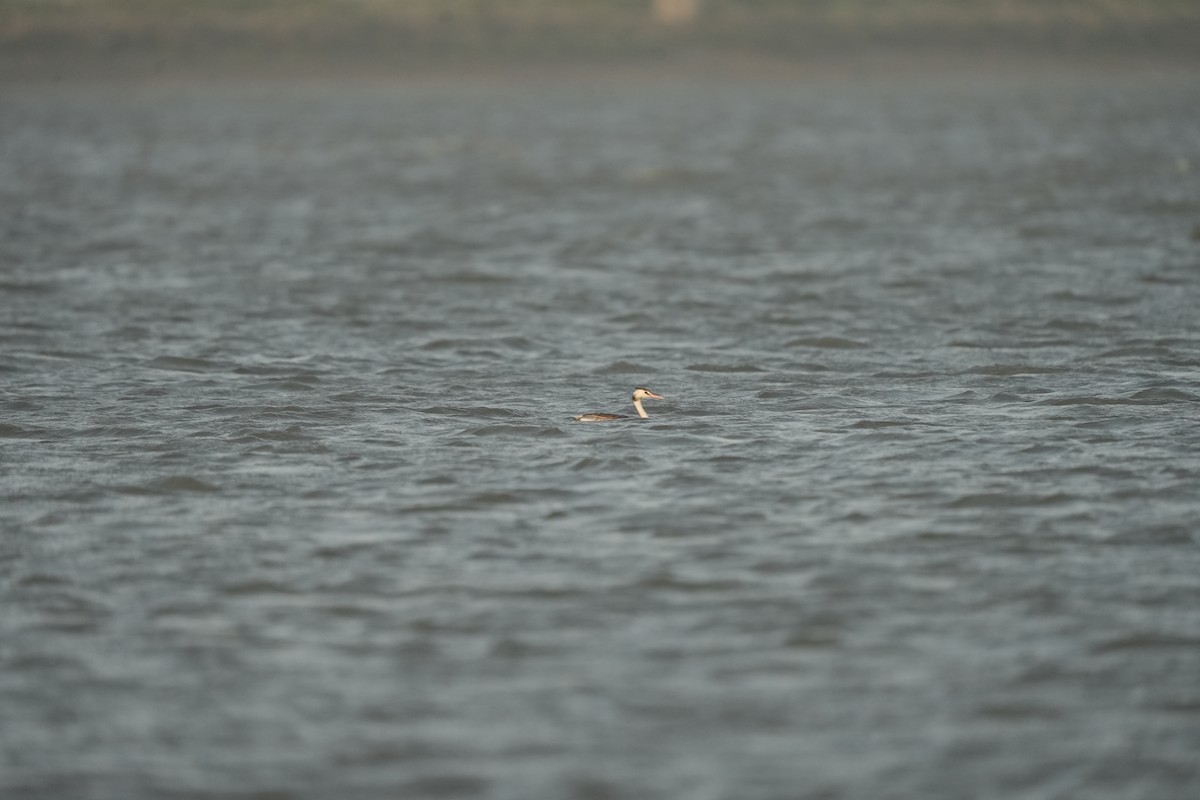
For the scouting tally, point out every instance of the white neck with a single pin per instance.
(637, 405)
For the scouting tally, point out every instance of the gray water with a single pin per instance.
(293, 506)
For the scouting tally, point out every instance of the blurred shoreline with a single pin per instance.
(89, 40)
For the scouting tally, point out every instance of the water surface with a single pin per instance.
(293, 507)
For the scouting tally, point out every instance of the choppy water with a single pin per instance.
(293, 507)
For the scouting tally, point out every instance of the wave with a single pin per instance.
(514, 430)
(515, 342)
(1145, 397)
(14, 432)
(1148, 640)
(173, 485)
(724, 368)
(1001, 370)
(1009, 500)
(184, 364)
(484, 412)
(871, 424)
(828, 343)
(622, 368)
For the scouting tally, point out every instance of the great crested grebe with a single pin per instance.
(639, 394)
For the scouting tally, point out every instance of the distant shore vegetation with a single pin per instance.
(429, 31)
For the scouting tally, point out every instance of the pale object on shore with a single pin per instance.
(676, 12)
